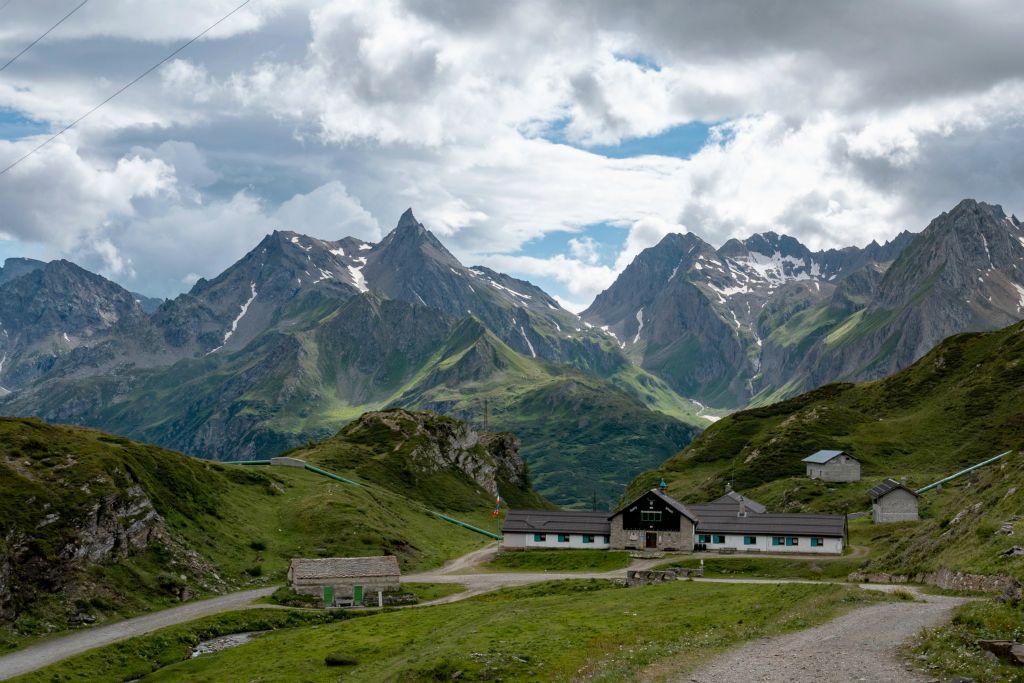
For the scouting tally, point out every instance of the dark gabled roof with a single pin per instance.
(732, 499)
(675, 504)
(719, 519)
(556, 522)
(344, 567)
(822, 457)
(888, 486)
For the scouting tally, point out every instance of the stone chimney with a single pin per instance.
(743, 507)
(728, 486)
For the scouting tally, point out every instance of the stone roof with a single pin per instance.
(556, 522)
(732, 499)
(344, 567)
(822, 457)
(888, 486)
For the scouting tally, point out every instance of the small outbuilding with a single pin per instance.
(838, 466)
(892, 501)
(344, 580)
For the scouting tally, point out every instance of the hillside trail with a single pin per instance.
(861, 645)
(54, 650)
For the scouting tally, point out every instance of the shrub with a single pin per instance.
(255, 570)
(258, 546)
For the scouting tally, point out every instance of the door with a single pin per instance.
(357, 595)
(652, 540)
(328, 596)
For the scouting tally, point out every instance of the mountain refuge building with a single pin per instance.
(892, 501)
(837, 466)
(656, 521)
(344, 580)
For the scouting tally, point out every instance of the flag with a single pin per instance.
(497, 507)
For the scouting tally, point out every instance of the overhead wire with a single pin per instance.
(46, 33)
(124, 87)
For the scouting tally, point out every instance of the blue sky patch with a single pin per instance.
(682, 141)
(14, 126)
(608, 239)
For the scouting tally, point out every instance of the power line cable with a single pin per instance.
(123, 88)
(30, 45)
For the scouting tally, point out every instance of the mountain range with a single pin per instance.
(765, 318)
(302, 335)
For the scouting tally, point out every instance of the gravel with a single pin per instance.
(858, 646)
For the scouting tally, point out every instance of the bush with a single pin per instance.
(258, 546)
(289, 598)
(255, 570)
(340, 660)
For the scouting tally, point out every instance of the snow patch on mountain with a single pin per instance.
(527, 339)
(241, 314)
(639, 319)
(358, 279)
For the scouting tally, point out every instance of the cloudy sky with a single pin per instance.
(551, 140)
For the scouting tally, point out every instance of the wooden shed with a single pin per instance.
(344, 580)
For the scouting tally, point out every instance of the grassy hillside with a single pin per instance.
(550, 632)
(957, 406)
(93, 526)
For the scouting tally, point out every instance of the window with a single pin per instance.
(540, 538)
(792, 540)
(817, 541)
(650, 515)
(718, 538)
(563, 538)
(607, 540)
(703, 538)
(750, 540)
(588, 538)
(778, 540)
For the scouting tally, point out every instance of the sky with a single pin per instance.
(550, 140)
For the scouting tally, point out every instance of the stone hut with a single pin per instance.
(344, 580)
(892, 501)
(838, 466)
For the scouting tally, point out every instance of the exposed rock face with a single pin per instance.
(439, 443)
(115, 527)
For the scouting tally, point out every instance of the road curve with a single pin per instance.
(51, 651)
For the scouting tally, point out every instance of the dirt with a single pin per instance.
(858, 646)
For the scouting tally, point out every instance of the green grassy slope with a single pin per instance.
(550, 632)
(957, 406)
(198, 526)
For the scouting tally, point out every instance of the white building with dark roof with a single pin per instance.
(556, 529)
(656, 521)
(837, 466)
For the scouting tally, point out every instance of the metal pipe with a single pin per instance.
(962, 472)
(331, 475)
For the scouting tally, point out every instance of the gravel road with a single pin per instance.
(50, 651)
(859, 646)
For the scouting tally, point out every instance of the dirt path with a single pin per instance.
(859, 646)
(51, 651)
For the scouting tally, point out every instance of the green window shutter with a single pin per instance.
(778, 540)
(749, 540)
(792, 540)
(538, 537)
(718, 538)
(607, 539)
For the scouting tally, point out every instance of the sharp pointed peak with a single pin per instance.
(408, 220)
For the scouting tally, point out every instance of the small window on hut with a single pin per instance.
(563, 538)
(540, 538)
(650, 515)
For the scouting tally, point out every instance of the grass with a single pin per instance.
(243, 523)
(772, 567)
(952, 650)
(569, 560)
(428, 592)
(556, 631)
(140, 656)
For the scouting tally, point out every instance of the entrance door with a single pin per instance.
(652, 540)
(328, 596)
(357, 595)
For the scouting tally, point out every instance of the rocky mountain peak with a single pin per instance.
(408, 220)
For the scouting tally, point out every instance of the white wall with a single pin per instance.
(516, 540)
(833, 546)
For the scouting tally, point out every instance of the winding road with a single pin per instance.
(858, 646)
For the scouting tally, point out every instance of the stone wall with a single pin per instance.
(345, 589)
(898, 505)
(623, 539)
(947, 579)
(842, 468)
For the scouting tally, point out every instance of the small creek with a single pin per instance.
(223, 643)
